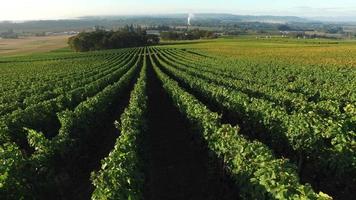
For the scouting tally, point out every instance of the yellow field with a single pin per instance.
(320, 52)
(29, 45)
(311, 52)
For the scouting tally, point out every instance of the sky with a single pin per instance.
(64, 9)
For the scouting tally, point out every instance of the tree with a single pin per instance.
(284, 28)
(100, 39)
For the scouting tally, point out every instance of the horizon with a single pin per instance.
(346, 19)
(44, 10)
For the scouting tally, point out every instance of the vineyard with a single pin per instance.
(175, 123)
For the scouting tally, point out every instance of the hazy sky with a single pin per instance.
(55, 9)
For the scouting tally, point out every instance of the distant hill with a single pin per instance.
(209, 16)
(110, 22)
(346, 19)
(250, 18)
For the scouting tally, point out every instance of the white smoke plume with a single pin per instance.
(190, 17)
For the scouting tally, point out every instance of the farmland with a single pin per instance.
(245, 118)
(30, 45)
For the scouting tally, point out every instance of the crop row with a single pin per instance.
(252, 120)
(122, 172)
(302, 137)
(41, 169)
(42, 115)
(28, 97)
(251, 164)
(277, 94)
(54, 80)
(317, 83)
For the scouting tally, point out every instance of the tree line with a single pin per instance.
(100, 39)
(188, 35)
(10, 34)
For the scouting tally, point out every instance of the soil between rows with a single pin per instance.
(178, 167)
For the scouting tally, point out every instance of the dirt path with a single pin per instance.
(178, 167)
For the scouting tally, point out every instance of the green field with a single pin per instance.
(232, 118)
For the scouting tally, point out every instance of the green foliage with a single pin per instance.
(12, 166)
(51, 103)
(37, 169)
(121, 175)
(101, 39)
(188, 35)
(252, 165)
(299, 132)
